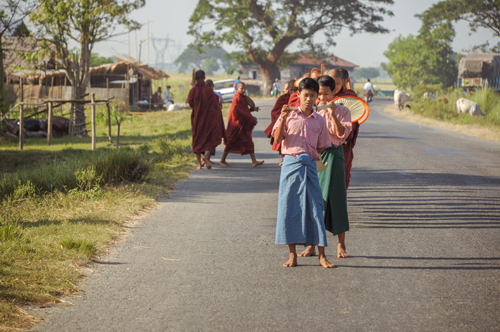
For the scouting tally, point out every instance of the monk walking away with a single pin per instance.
(332, 180)
(240, 124)
(207, 123)
(303, 135)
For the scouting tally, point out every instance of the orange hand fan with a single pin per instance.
(357, 106)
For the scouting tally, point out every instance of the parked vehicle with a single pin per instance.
(226, 89)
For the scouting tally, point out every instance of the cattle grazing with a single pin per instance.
(468, 106)
(401, 99)
(443, 100)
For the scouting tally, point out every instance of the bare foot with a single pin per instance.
(292, 261)
(257, 163)
(223, 163)
(341, 253)
(207, 162)
(199, 167)
(325, 263)
(310, 251)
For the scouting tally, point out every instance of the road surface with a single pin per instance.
(424, 207)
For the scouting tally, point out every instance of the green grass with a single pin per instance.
(488, 100)
(61, 205)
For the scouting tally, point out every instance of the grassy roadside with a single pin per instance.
(62, 205)
(477, 130)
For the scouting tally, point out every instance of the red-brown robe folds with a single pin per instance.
(293, 101)
(206, 119)
(275, 114)
(350, 141)
(239, 126)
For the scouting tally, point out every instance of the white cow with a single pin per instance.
(401, 98)
(468, 106)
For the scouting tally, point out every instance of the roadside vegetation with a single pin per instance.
(62, 205)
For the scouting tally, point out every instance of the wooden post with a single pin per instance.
(109, 123)
(92, 108)
(107, 82)
(49, 125)
(21, 115)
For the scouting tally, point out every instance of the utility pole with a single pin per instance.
(147, 62)
(136, 50)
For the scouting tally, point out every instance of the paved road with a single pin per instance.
(424, 206)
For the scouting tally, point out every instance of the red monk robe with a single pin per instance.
(240, 124)
(206, 119)
(293, 101)
(351, 139)
(275, 114)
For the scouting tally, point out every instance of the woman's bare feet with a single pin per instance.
(310, 251)
(292, 261)
(199, 167)
(257, 163)
(223, 163)
(324, 262)
(341, 253)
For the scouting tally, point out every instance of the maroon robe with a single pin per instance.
(207, 123)
(275, 114)
(240, 124)
(350, 141)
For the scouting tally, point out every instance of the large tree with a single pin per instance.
(424, 59)
(265, 28)
(86, 22)
(479, 14)
(366, 72)
(12, 14)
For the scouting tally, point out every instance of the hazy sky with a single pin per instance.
(171, 18)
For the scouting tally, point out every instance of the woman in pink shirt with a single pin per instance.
(303, 135)
(332, 180)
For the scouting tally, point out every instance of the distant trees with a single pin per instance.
(366, 72)
(264, 29)
(96, 60)
(208, 58)
(479, 13)
(423, 59)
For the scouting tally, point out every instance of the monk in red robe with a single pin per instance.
(206, 120)
(240, 124)
(276, 111)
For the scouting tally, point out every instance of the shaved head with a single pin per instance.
(315, 74)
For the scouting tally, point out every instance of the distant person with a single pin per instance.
(235, 85)
(276, 90)
(207, 128)
(210, 83)
(240, 124)
(157, 96)
(167, 97)
(368, 87)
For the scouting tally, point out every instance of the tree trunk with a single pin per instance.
(269, 73)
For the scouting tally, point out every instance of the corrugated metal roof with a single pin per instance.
(308, 59)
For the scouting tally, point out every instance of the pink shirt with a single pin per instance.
(304, 135)
(344, 116)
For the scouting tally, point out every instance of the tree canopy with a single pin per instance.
(265, 28)
(86, 22)
(424, 59)
(479, 14)
(208, 58)
(366, 72)
(96, 60)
